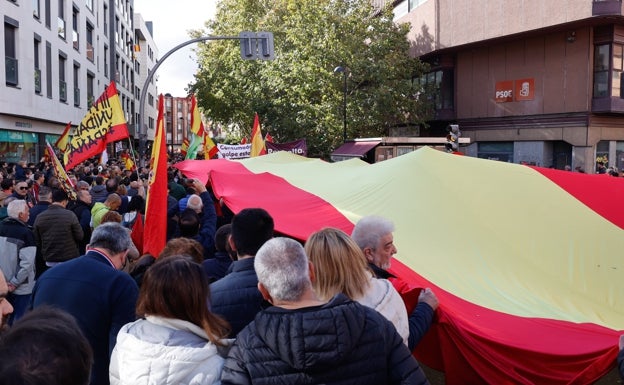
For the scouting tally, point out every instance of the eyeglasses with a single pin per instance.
(23, 188)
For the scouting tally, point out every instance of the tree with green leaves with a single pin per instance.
(298, 95)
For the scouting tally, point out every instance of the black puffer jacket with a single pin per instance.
(341, 342)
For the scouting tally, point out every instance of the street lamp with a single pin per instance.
(343, 70)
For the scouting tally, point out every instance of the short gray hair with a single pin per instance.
(194, 202)
(369, 230)
(16, 207)
(282, 268)
(111, 236)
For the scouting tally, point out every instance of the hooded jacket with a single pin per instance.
(158, 350)
(341, 342)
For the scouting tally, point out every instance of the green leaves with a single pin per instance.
(298, 95)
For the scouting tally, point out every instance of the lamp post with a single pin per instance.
(343, 70)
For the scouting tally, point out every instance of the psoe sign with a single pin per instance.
(514, 90)
(504, 91)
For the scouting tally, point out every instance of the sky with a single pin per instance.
(171, 22)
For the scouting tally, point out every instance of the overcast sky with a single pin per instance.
(171, 22)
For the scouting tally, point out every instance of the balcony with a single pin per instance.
(11, 70)
(63, 90)
(607, 8)
(37, 80)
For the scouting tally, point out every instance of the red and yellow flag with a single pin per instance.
(127, 161)
(104, 123)
(197, 126)
(63, 140)
(210, 148)
(185, 146)
(66, 183)
(268, 138)
(257, 143)
(155, 230)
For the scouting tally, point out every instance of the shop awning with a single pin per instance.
(355, 149)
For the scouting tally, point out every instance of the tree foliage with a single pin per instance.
(298, 95)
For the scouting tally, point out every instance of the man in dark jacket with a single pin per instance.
(235, 297)
(303, 340)
(57, 231)
(45, 198)
(217, 267)
(95, 292)
(82, 209)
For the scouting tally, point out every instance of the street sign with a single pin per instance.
(257, 45)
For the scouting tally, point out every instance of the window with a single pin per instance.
(616, 71)
(439, 88)
(90, 55)
(106, 61)
(601, 70)
(76, 84)
(501, 151)
(75, 34)
(10, 52)
(36, 52)
(61, 19)
(36, 9)
(89, 4)
(48, 70)
(105, 17)
(48, 16)
(90, 83)
(62, 83)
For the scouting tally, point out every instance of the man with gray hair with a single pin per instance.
(374, 236)
(17, 259)
(304, 340)
(94, 290)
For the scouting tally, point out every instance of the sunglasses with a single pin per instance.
(23, 188)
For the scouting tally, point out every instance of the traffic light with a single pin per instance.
(452, 139)
(257, 45)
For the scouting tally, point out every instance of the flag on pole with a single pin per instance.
(257, 143)
(155, 229)
(268, 138)
(197, 126)
(63, 140)
(210, 148)
(127, 161)
(104, 123)
(66, 183)
(193, 147)
(185, 146)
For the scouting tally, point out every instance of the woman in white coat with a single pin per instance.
(177, 340)
(340, 267)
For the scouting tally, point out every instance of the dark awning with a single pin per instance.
(355, 149)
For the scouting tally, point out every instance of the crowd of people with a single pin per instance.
(228, 300)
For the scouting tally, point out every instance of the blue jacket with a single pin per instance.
(217, 267)
(236, 297)
(100, 297)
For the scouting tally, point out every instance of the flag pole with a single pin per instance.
(136, 165)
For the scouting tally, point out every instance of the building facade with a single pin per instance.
(536, 82)
(59, 57)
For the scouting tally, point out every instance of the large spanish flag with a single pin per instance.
(526, 261)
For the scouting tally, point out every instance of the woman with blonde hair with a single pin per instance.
(340, 267)
(177, 340)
